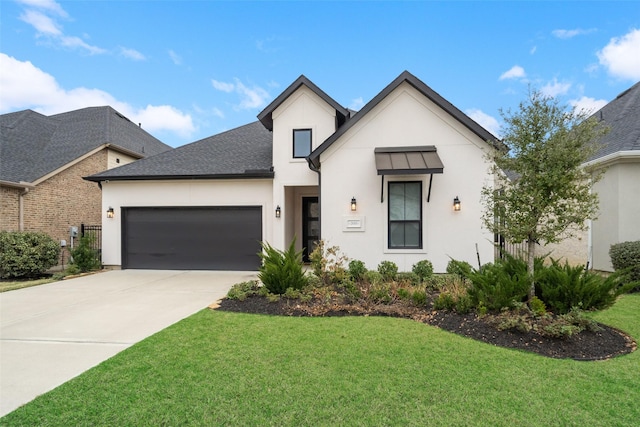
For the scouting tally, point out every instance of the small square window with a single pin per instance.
(301, 143)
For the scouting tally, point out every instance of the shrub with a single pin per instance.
(563, 287)
(327, 262)
(500, 285)
(381, 293)
(454, 295)
(372, 277)
(419, 298)
(357, 270)
(84, 256)
(26, 254)
(626, 255)
(240, 291)
(281, 270)
(461, 268)
(407, 278)
(537, 307)
(388, 270)
(423, 269)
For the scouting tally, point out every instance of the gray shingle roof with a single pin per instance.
(33, 145)
(623, 117)
(242, 152)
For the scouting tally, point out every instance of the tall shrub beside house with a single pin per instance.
(626, 256)
(26, 254)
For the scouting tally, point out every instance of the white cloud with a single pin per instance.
(175, 57)
(48, 5)
(485, 120)
(25, 86)
(250, 97)
(356, 104)
(555, 88)
(621, 56)
(567, 34)
(222, 86)
(588, 105)
(43, 24)
(515, 72)
(132, 54)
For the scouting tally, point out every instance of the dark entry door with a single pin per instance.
(192, 238)
(310, 225)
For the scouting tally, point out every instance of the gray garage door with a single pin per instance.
(192, 238)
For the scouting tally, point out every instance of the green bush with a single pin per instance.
(626, 255)
(84, 256)
(327, 262)
(357, 270)
(408, 278)
(419, 298)
(26, 254)
(281, 270)
(388, 270)
(423, 269)
(461, 268)
(240, 291)
(500, 285)
(372, 277)
(563, 287)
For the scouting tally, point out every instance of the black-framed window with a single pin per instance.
(301, 143)
(405, 215)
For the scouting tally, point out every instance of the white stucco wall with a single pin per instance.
(118, 194)
(407, 118)
(302, 110)
(619, 217)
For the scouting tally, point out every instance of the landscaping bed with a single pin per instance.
(587, 345)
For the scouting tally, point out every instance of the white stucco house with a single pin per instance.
(619, 190)
(379, 183)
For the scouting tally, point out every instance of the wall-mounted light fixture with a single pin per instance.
(354, 204)
(278, 211)
(110, 212)
(456, 204)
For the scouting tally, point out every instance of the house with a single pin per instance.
(618, 191)
(44, 158)
(379, 183)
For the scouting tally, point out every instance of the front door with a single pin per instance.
(310, 225)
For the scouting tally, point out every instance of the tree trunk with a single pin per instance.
(531, 256)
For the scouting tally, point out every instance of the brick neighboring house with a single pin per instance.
(43, 159)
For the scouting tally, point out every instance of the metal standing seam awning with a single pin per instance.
(420, 160)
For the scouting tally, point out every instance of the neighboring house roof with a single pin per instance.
(406, 76)
(243, 152)
(622, 115)
(33, 145)
(265, 117)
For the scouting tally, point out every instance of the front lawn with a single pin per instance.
(221, 368)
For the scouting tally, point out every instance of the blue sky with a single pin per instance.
(187, 70)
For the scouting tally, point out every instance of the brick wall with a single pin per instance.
(10, 208)
(66, 200)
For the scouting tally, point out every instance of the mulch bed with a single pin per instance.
(604, 344)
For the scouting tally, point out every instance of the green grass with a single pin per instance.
(218, 368)
(19, 284)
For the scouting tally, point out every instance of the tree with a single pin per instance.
(548, 197)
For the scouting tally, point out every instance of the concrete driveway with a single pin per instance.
(52, 333)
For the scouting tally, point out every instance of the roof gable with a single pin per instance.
(425, 90)
(34, 145)
(265, 116)
(622, 115)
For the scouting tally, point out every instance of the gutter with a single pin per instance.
(618, 156)
(248, 175)
(26, 187)
(313, 167)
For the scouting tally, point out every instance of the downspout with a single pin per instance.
(317, 170)
(21, 209)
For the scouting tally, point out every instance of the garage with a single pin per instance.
(192, 238)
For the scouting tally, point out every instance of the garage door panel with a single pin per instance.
(193, 238)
